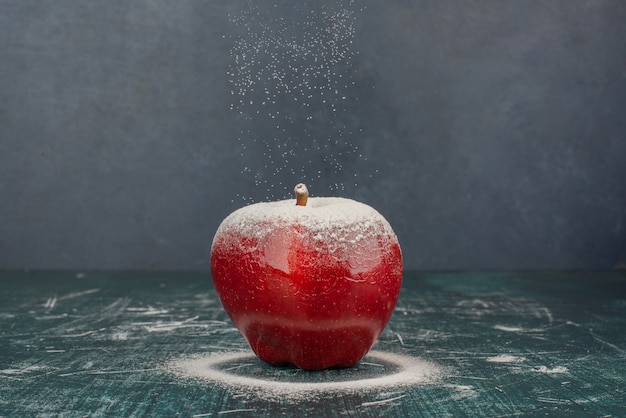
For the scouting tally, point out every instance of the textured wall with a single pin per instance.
(491, 134)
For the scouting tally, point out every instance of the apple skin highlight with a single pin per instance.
(310, 285)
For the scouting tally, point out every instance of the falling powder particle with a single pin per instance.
(292, 85)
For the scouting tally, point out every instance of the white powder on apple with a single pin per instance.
(335, 220)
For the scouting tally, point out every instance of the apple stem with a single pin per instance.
(302, 194)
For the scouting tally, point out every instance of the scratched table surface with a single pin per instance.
(459, 344)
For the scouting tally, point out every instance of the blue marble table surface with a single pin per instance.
(76, 344)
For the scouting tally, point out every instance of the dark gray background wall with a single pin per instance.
(491, 134)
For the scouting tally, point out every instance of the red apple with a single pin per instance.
(311, 285)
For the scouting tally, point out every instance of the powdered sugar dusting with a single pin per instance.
(222, 369)
(295, 93)
(322, 217)
(505, 358)
(553, 370)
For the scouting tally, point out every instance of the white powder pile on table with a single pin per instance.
(225, 370)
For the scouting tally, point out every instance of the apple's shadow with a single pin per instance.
(252, 367)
